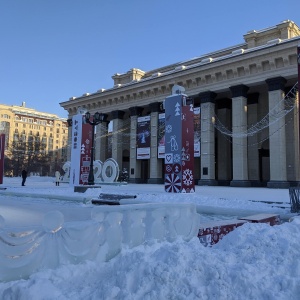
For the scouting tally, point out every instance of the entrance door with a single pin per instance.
(264, 165)
(144, 170)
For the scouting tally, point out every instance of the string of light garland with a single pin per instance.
(262, 139)
(283, 107)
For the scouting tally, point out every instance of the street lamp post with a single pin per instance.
(97, 119)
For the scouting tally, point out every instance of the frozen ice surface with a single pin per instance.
(53, 221)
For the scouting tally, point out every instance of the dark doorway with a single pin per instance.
(125, 160)
(264, 165)
(144, 171)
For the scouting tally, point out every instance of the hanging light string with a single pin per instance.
(274, 115)
(284, 107)
(262, 139)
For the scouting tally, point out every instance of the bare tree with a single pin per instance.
(28, 154)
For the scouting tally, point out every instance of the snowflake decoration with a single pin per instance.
(169, 128)
(187, 177)
(176, 158)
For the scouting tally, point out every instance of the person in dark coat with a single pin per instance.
(24, 176)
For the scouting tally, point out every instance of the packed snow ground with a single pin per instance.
(255, 261)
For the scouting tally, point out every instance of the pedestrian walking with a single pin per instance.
(24, 176)
(57, 177)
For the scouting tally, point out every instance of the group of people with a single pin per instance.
(24, 176)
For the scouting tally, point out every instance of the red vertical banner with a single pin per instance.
(187, 151)
(2, 148)
(80, 151)
(85, 153)
(179, 144)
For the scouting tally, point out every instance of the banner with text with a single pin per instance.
(143, 138)
(80, 151)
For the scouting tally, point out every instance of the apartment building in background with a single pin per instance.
(35, 140)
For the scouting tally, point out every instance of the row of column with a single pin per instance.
(236, 161)
(135, 172)
(243, 112)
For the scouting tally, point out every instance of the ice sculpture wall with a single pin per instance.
(55, 242)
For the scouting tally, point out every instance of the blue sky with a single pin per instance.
(56, 49)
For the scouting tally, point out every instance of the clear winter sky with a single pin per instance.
(52, 50)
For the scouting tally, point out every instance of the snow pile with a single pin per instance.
(255, 261)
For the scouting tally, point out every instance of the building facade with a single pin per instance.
(248, 100)
(31, 135)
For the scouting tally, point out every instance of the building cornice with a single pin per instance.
(273, 57)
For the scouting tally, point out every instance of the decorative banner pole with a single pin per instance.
(80, 158)
(97, 119)
(179, 142)
(83, 148)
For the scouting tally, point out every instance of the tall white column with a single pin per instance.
(292, 143)
(135, 164)
(117, 138)
(239, 142)
(224, 162)
(207, 147)
(277, 134)
(155, 163)
(253, 155)
(101, 142)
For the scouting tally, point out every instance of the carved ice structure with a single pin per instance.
(103, 172)
(66, 167)
(25, 251)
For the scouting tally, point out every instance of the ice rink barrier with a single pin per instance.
(24, 251)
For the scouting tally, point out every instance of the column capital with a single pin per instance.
(208, 96)
(117, 114)
(239, 90)
(276, 83)
(155, 106)
(224, 103)
(135, 111)
(253, 98)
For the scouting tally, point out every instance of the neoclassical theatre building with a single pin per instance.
(248, 126)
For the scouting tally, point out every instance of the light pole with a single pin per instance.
(97, 119)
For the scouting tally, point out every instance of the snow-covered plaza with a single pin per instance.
(255, 261)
